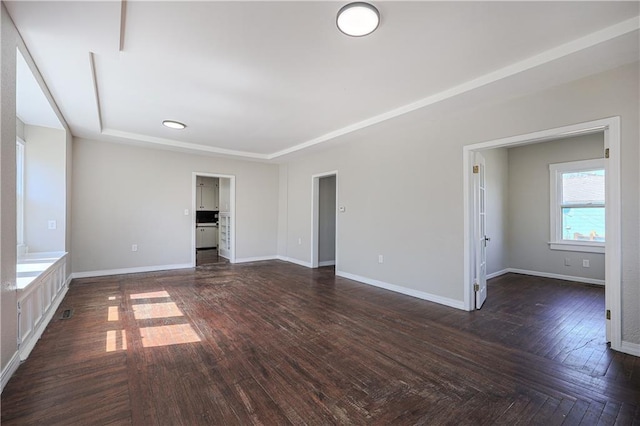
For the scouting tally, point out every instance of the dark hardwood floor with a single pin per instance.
(274, 343)
(208, 256)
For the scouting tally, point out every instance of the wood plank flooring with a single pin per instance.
(273, 343)
(208, 256)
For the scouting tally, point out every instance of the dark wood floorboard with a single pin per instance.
(273, 343)
(208, 257)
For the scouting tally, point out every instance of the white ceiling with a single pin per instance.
(32, 107)
(262, 79)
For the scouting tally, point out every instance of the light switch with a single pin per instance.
(52, 224)
(186, 212)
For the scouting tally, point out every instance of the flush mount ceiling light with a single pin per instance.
(174, 124)
(358, 19)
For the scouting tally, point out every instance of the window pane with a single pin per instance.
(583, 187)
(583, 224)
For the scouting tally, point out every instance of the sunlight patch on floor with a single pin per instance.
(116, 340)
(165, 335)
(113, 314)
(149, 295)
(156, 310)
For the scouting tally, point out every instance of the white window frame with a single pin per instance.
(556, 242)
(20, 188)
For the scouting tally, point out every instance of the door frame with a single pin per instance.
(613, 262)
(232, 213)
(315, 219)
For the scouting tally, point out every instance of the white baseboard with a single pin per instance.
(9, 369)
(498, 273)
(327, 263)
(630, 348)
(556, 276)
(296, 261)
(136, 270)
(255, 259)
(458, 304)
(27, 347)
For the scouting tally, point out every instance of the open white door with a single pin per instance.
(480, 237)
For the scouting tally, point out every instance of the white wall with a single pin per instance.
(497, 214)
(124, 195)
(529, 207)
(8, 315)
(45, 188)
(19, 128)
(407, 173)
(283, 209)
(9, 125)
(327, 219)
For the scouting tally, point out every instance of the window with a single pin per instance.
(578, 206)
(20, 191)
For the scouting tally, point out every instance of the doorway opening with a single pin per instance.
(324, 219)
(610, 128)
(213, 219)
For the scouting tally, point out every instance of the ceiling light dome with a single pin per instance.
(358, 19)
(172, 124)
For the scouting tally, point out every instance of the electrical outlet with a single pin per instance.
(380, 258)
(52, 224)
(134, 247)
(585, 263)
(567, 261)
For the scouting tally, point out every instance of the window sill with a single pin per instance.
(33, 265)
(576, 246)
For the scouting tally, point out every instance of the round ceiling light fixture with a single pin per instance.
(358, 19)
(172, 124)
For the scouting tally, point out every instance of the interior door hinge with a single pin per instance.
(606, 153)
(476, 287)
(608, 314)
(476, 169)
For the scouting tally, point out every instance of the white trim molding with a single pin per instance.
(545, 57)
(497, 273)
(630, 348)
(9, 369)
(458, 304)
(556, 276)
(26, 348)
(231, 255)
(556, 229)
(583, 247)
(255, 259)
(38, 301)
(315, 215)
(295, 261)
(135, 270)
